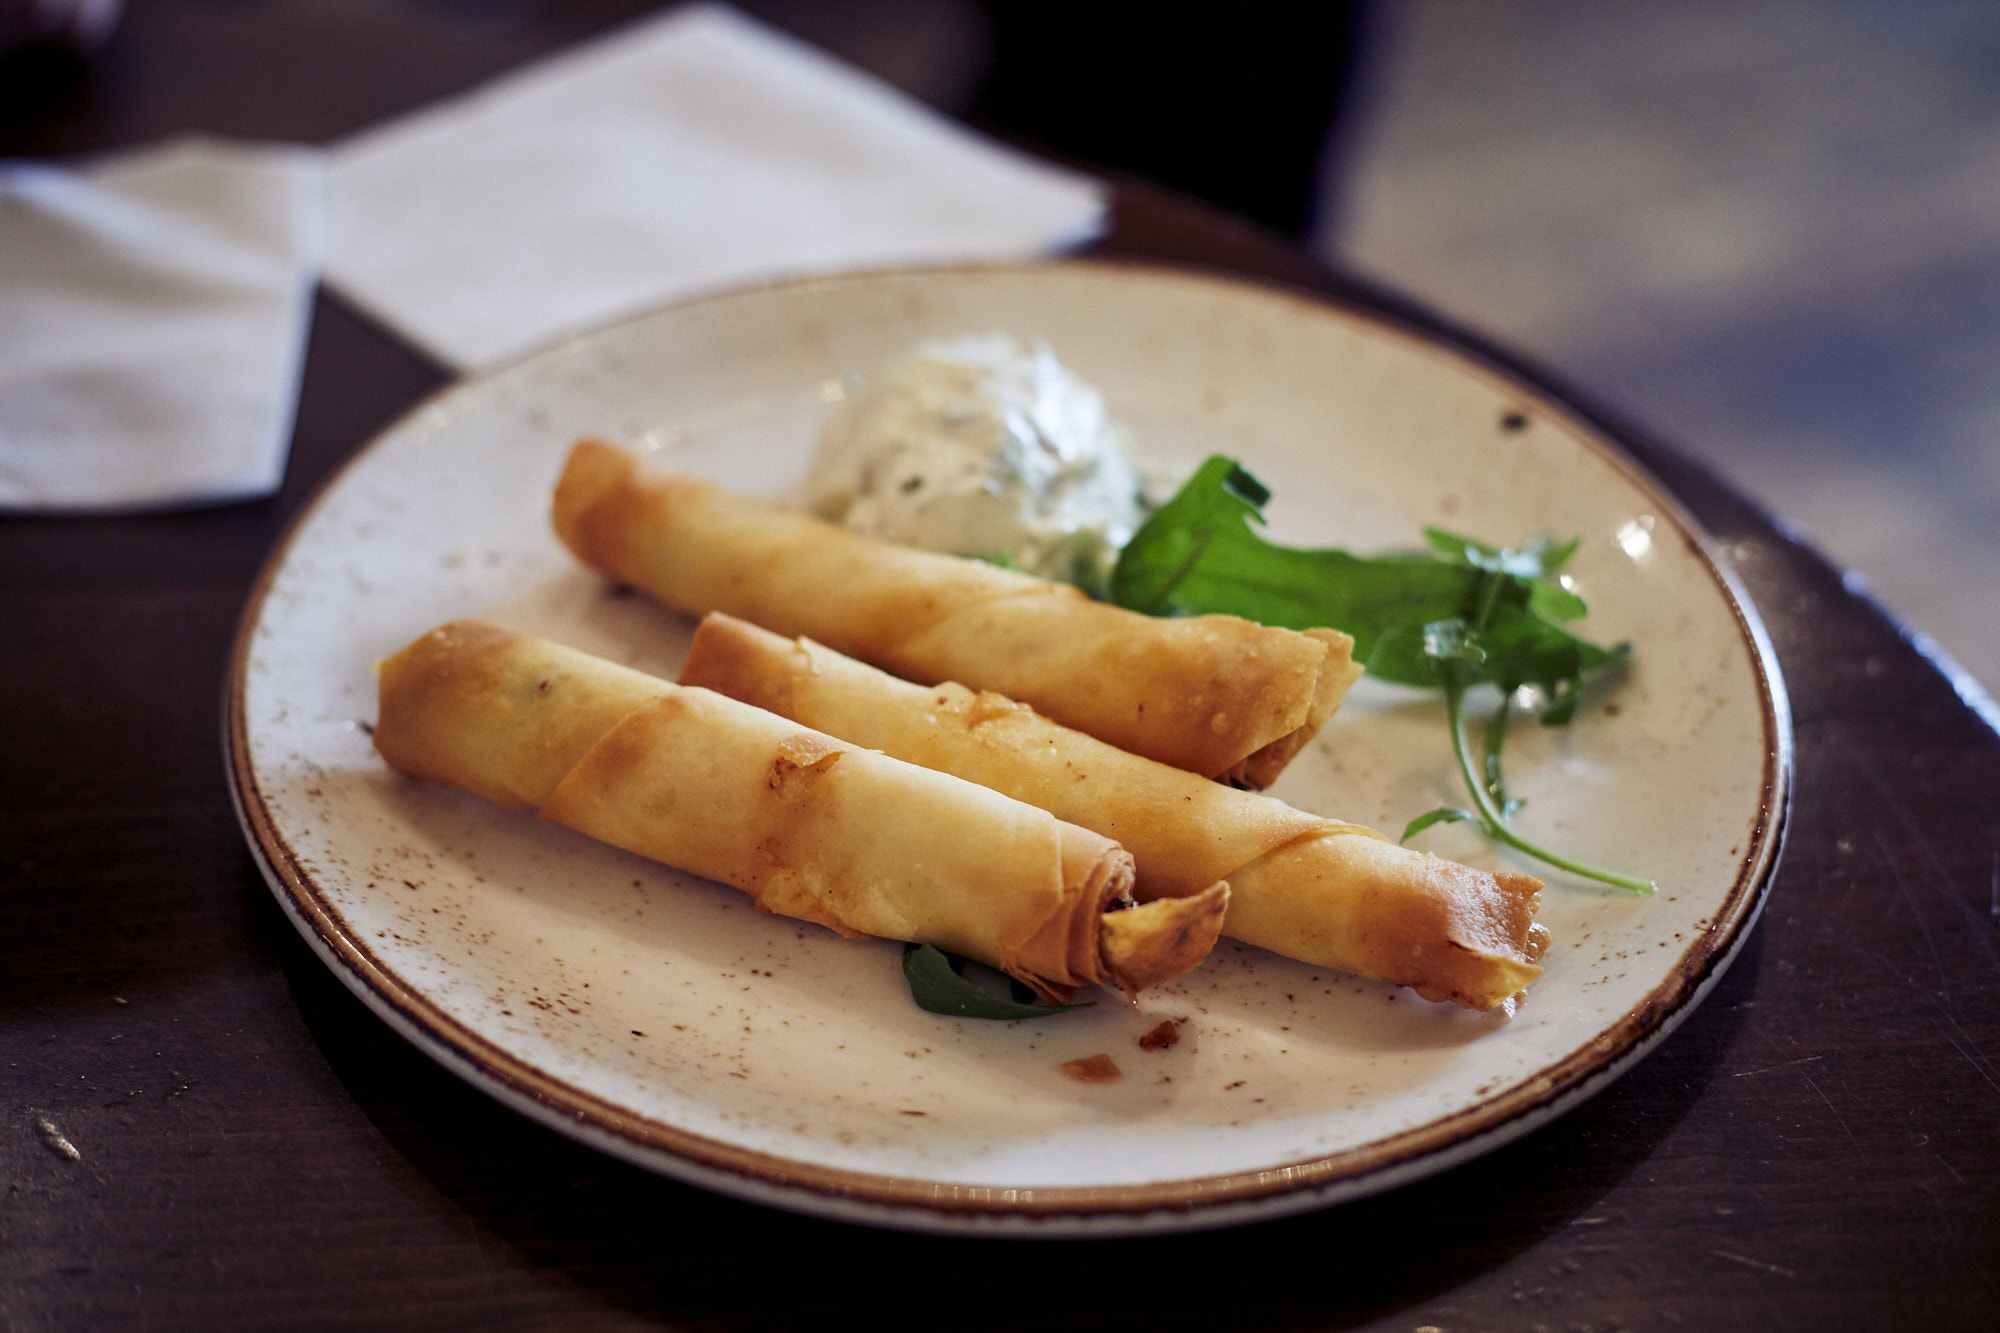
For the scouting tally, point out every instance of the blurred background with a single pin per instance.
(1765, 231)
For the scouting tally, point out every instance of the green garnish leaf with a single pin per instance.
(1199, 553)
(1246, 486)
(1461, 614)
(1451, 641)
(1552, 601)
(1444, 814)
(939, 985)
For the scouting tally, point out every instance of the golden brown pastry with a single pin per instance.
(809, 826)
(1300, 885)
(1215, 695)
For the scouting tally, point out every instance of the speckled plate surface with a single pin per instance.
(658, 1017)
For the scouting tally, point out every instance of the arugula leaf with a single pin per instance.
(1199, 553)
(938, 984)
(1461, 614)
(1444, 814)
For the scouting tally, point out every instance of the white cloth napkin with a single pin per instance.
(689, 152)
(153, 314)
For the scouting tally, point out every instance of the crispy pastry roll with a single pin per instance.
(1300, 885)
(810, 827)
(1215, 695)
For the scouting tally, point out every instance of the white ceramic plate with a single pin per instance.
(658, 1017)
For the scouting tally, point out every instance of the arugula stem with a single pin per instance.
(1496, 733)
(1496, 823)
(1489, 597)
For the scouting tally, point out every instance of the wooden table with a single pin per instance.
(203, 1129)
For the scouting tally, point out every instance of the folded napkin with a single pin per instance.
(690, 152)
(155, 309)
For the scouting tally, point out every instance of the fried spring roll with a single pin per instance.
(809, 826)
(1215, 695)
(1311, 888)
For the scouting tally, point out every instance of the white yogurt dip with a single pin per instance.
(982, 445)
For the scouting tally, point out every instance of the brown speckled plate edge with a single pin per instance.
(1164, 1206)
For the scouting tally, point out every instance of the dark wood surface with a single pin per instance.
(1818, 1147)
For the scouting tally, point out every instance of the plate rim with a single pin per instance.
(1187, 1203)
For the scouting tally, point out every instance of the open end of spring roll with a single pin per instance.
(1301, 885)
(810, 827)
(1365, 905)
(1216, 695)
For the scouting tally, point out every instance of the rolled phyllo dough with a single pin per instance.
(1301, 885)
(809, 826)
(1215, 695)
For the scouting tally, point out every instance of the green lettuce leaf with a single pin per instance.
(938, 984)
